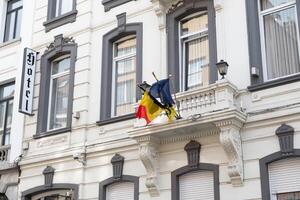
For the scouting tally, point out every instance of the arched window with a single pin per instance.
(192, 51)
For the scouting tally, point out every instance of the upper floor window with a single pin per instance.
(6, 109)
(280, 36)
(124, 76)
(121, 70)
(59, 93)
(60, 12)
(13, 20)
(56, 87)
(195, 50)
(192, 51)
(273, 41)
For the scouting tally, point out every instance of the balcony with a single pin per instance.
(4, 158)
(211, 110)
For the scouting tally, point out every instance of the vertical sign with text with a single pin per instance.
(27, 84)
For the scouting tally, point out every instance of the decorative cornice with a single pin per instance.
(285, 135)
(231, 141)
(117, 162)
(59, 42)
(193, 153)
(48, 174)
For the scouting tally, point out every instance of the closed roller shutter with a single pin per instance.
(120, 191)
(197, 185)
(284, 176)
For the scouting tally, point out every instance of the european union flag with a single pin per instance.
(161, 89)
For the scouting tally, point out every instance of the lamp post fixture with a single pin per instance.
(222, 67)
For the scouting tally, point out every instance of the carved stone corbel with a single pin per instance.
(230, 139)
(160, 11)
(149, 156)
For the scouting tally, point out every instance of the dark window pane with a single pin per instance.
(9, 26)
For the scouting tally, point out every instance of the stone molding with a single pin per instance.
(149, 156)
(230, 139)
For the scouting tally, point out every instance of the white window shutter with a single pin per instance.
(120, 191)
(197, 185)
(284, 176)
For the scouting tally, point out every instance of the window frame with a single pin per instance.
(114, 75)
(174, 16)
(16, 10)
(109, 4)
(124, 178)
(186, 169)
(256, 52)
(184, 40)
(262, 14)
(54, 22)
(52, 77)
(106, 73)
(60, 48)
(6, 100)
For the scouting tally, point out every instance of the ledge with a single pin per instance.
(109, 4)
(61, 20)
(10, 42)
(52, 132)
(115, 119)
(187, 126)
(274, 83)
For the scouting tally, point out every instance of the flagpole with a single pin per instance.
(171, 81)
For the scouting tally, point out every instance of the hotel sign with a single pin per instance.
(27, 84)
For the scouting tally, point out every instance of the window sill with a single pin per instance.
(61, 20)
(274, 83)
(10, 42)
(52, 132)
(109, 4)
(116, 119)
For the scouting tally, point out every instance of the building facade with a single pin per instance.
(15, 35)
(238, 137)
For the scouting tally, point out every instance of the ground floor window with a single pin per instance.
(289, 196)
(55, 195)
(120, 191)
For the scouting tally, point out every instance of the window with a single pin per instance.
(284, 178)
(195, 51)
(56, 87)
(192, 50)
(13, 20)
(121, 70)
(55, 195)
(59, 93)
(196, 185)
(281, 38)
(6, 108)
(289, 196)
(60, 12)
(273, 38)
(120, 191)
(124, 77)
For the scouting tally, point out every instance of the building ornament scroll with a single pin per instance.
(230, 139)
(160, 11)
(59, 42)
(149, 156)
